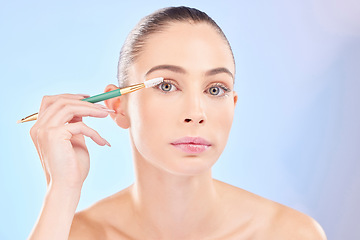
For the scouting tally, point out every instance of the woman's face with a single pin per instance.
(182, 125)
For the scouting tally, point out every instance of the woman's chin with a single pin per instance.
(189, 166)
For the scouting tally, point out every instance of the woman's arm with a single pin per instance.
(57, 214)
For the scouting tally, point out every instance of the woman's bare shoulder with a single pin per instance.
(269, 219)
(83, 227)
(290, 223)
(96, 221)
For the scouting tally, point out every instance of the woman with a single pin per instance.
(178, 130)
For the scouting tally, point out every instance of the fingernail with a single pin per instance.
(106, 142)
(109, 110)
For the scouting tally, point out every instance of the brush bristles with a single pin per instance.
(153, 82)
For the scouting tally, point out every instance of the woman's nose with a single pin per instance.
(189, 120)
(194, 111)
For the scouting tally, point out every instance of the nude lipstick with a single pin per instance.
(192, 145)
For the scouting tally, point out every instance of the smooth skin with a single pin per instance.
(174, 195)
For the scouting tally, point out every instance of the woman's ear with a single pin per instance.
(235, 98)
(118, 105)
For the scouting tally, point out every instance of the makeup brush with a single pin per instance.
(108, 95)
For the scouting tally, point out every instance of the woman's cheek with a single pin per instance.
(221, 118)
(152, 115)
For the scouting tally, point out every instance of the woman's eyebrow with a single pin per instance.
(219, 70)
(172, 68)
(178, 69)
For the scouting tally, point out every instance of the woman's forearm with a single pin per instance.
(56, 214)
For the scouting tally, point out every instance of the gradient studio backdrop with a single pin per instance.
(296, 132)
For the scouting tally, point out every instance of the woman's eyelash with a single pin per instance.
(164, 81)
(173, 87)
(168, 81)
(224, 87)
(218, 90)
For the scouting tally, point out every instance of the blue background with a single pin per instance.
(296, 132)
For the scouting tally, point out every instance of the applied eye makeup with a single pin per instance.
(218, 90)
(215, 89)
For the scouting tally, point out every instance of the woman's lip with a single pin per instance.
(192, 140)
(192, 145)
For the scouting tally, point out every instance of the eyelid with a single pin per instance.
(225, 90)
(169, 80)
(224, 87)
(221, 85)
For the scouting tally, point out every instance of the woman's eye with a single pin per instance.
(167, 87)
(215, 91)
(218, 91)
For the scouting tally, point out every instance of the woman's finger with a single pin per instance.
(65, 110)
(50, 99)
(81, 128)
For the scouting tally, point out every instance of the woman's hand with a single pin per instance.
(58, 136)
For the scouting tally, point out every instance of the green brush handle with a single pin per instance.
(103, 96)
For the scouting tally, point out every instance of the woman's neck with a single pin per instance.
(169, 206)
